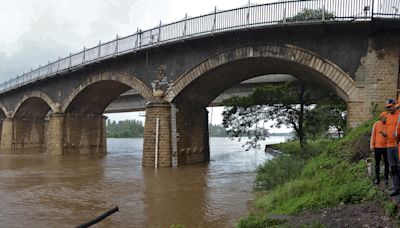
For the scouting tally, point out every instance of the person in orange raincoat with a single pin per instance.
(392, 153)
(378, 146)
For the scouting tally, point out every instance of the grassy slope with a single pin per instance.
(328, 174)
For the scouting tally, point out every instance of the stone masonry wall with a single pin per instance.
(76, 133)
(377, 78)
(29, 135)
(83, 133)
(193, 139)
(7, 136)
(161, 110)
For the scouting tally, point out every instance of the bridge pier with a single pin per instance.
(29, 135)
(76, 133)
(161, 110)
(7, 136)
(20, 135)
(193, 139)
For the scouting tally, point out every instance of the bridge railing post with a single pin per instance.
(70, 61)
(48, 69)
(137, 39)
(184, 25)
(140, 38)
(99, 51)
(215, 20)
(58, 67)
(84, 54)
(284, 14)
(248, 15)
(116, 46)
(372, 9)
(159, 33)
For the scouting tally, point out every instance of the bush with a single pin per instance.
(324, 182)
(278, 171)
(311, 149)
(255, 221)
(355, 146)
(289, 165)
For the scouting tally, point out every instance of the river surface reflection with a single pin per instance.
(38, 190)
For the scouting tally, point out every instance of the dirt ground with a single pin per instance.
(358, 215)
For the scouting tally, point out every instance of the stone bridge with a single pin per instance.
(62, 111)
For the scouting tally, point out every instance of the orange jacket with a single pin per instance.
(377, 138)
(391, 124)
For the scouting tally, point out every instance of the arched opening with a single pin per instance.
(83, 121)
(196, 89)
(29, 123)
(3, 116)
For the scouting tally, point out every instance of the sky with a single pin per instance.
(34, 32)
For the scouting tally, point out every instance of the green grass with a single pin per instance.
(325, 174)
(287, 166)
(323, 182)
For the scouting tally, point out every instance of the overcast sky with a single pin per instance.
(34, 32)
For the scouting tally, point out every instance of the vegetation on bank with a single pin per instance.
(309, 109)
(327, 173)
(125, 129)
(135, 129)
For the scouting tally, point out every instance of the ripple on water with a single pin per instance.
(63, 191)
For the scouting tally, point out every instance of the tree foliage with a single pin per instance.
(217, 130)
(125, 129)
(326, 119)
(311, 15)
(287, 104)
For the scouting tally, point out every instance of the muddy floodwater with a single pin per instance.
(38, 190)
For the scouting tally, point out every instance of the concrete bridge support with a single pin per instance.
(76, 133)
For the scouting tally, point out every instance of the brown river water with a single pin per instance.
(37, 190)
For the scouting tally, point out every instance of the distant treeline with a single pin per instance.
(125, 129)
(135, 129)
(219, 131)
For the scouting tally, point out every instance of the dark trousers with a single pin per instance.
(393, 159)
(379, 153)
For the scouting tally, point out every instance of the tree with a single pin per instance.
(311, 15)
(217, 130)
(326, 117)
(286, 104)
(125, 129)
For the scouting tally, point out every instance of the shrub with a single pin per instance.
(278, 171)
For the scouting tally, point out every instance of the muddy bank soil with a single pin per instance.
(367, 214)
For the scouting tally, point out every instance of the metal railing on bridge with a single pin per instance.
(247, 17)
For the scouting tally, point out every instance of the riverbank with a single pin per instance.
(320, 186)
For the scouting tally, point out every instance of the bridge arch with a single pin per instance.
(107, 76)
(193, 91)
(41, 103)
(4, 111)
(28, 126)
(276, 59)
